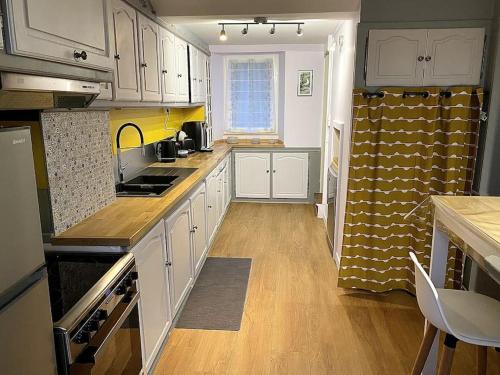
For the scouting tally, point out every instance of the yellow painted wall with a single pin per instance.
(151, 121)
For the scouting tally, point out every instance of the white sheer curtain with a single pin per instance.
(250, 93)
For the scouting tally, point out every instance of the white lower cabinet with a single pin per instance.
(290, 175)
(212, 218)
(252, 177)
(199, 226)
(180, 259)
(155, 313)
(227, 184)
(221, 208)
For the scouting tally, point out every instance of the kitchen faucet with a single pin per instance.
(118, 148)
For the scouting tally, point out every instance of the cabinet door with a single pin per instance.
(454, 57)
(149, 47)
(56, 29)
(126, 49)
(199, 225)
(155, 314)
(202, 76)
(179, 255)
(193, 74)
(396, 57)
(211, 184)
(170, 82)
(220, 196)
(182, 70)
(290, 175)
(252, 177)
(227, 184)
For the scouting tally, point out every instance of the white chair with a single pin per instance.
(465, 316)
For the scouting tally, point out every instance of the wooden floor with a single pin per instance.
(296, 321)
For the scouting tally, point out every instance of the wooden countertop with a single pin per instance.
(475, 221)
(125, 221)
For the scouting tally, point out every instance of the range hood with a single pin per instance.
(25, 91)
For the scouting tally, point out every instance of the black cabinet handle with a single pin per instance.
(168, 264)
(164, 71)
(144, 65)
(428, 58)
(117, 56)
(420, 58)
(80, 55)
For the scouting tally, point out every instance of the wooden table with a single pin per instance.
(473, 224)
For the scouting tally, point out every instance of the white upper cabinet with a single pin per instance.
(126, 52)
(202, 77)
(181, 55)
(170, 81)
(194, 74)
(454, 57)
(393, 57)
(68, 31)
(252, 174)
(155, 315)
(179, 255)
(290, 175)
(149, 60)
(416, 57)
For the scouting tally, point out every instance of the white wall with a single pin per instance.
(299, 118)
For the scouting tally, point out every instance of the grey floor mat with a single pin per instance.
(218, 296)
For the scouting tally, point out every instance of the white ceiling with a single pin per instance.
(316, 29)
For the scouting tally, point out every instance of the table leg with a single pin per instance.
(438, 267)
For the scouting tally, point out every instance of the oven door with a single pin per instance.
(116, 348)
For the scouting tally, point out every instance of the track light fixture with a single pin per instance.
(258, 21)
(299, 30)
(222, 35)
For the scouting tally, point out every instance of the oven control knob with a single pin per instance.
(92, 325)
(120, 289)
(82, 337)
(101, 315)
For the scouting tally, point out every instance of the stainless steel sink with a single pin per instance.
(152, 182)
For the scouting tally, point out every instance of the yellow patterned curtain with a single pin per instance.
(404, 148)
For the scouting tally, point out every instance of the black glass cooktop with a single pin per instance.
(73, 275)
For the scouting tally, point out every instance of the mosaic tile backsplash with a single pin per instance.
(79, 165)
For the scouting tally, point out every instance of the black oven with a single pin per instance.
(100, 332)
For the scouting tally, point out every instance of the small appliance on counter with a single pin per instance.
(166, 150)
(197, 131)
(184, 144)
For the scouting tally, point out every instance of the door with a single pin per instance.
(55, 29)
(150, 258)
(194, 74)
(454, 57)
(396, 57)
(199, 226)
(182, 70)
(170, 81)
(127, 83)
(252, 177)
(179, 255)
(290, 175)
(22, 249)
(211, 183)
(26, 333)
(149, 64)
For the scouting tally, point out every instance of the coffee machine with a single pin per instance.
(166, 150)
(197, 131)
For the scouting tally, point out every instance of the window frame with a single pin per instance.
(244, 57)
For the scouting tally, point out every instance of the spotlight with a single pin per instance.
(273, 30)
(299, 30)
(245, 30)
(222, 35)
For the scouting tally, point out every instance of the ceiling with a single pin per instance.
(316, 28)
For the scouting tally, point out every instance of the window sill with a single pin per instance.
(250, 135)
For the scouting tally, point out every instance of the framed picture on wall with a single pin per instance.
(305, 83)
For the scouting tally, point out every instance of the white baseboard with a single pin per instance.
(322, 211)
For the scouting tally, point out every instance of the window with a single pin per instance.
(251, 94)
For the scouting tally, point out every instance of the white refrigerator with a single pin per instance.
(26, 330)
